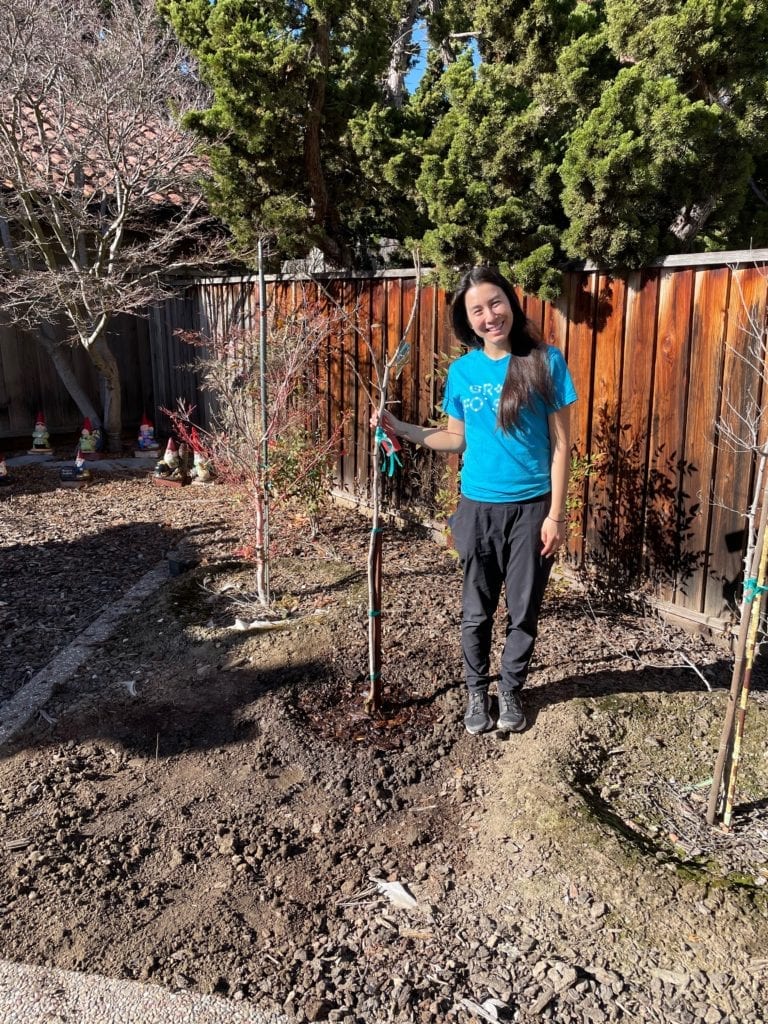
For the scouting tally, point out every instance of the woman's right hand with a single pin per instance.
(389, 423)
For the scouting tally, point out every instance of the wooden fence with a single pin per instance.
(155, 371)
(659, 356)
(661, 361)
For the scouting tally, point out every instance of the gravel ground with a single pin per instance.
(210, 811)
(33, 995)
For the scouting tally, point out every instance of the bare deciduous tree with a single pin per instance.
(300, 456)
(99, 196)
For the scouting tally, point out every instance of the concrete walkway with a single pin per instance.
(28, 701)
(137, 462)
(41, 995)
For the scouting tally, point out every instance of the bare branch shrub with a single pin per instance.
(300, 458)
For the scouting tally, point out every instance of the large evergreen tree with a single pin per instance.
(298, 90)
(615, 130)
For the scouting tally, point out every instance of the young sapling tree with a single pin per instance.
(300, 458)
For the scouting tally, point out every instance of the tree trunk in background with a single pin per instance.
(61, 357)
(394, 83)
(104, 360)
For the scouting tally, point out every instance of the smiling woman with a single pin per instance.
(507, 405)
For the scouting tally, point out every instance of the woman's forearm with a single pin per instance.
(449, 438)
(438, 439)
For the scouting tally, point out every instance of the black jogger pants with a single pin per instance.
(500, 545)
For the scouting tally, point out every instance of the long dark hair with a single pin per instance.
(528, 371)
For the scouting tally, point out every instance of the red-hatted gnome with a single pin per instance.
(169, 463)
(146, 441)
(40, 437)
(87, 440)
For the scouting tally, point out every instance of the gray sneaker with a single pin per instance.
(511, 714)
(478, 716)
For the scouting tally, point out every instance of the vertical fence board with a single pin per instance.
(534, 310)
(425, 358)
(16, 416)
(409, 381)
(393, 332)
(631, 451)
(362, 314)
(667, 500)
(710, 298)
(731, 487)
(606, 393)
(335, 296)
(351, 410)
(581, 311)
(377, 342)
(555, 329)
(313, 298)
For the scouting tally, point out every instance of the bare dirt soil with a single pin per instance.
(208, 807)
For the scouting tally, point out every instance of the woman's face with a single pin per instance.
(490, 316)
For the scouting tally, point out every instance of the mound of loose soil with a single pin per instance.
(210, 807)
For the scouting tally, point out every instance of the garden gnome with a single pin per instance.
(170, 460)
(77, 475)
(4, 478)
(147, 442)
(40, 436)
(171, 457)
(87, 438)
(201, 468)
(80, 470)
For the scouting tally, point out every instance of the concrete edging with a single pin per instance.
(17, 711)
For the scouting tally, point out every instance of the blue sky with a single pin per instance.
(420, 39)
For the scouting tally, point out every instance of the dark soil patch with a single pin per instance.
(206, 807)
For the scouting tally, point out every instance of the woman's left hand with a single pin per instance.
(552, 536)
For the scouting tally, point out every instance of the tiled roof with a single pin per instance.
(66, 149)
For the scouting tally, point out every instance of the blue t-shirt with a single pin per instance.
(498, 465)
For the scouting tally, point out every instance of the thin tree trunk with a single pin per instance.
(261, 554)
(394, 82)
(61, 357)
(105, 362)
(324, 213)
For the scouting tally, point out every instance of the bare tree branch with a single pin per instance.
(100, 198)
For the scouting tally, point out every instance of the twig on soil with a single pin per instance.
(361, 898)
(693, 668)
(635, 655)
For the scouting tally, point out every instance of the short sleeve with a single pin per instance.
(564, 391)
(452, 404)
